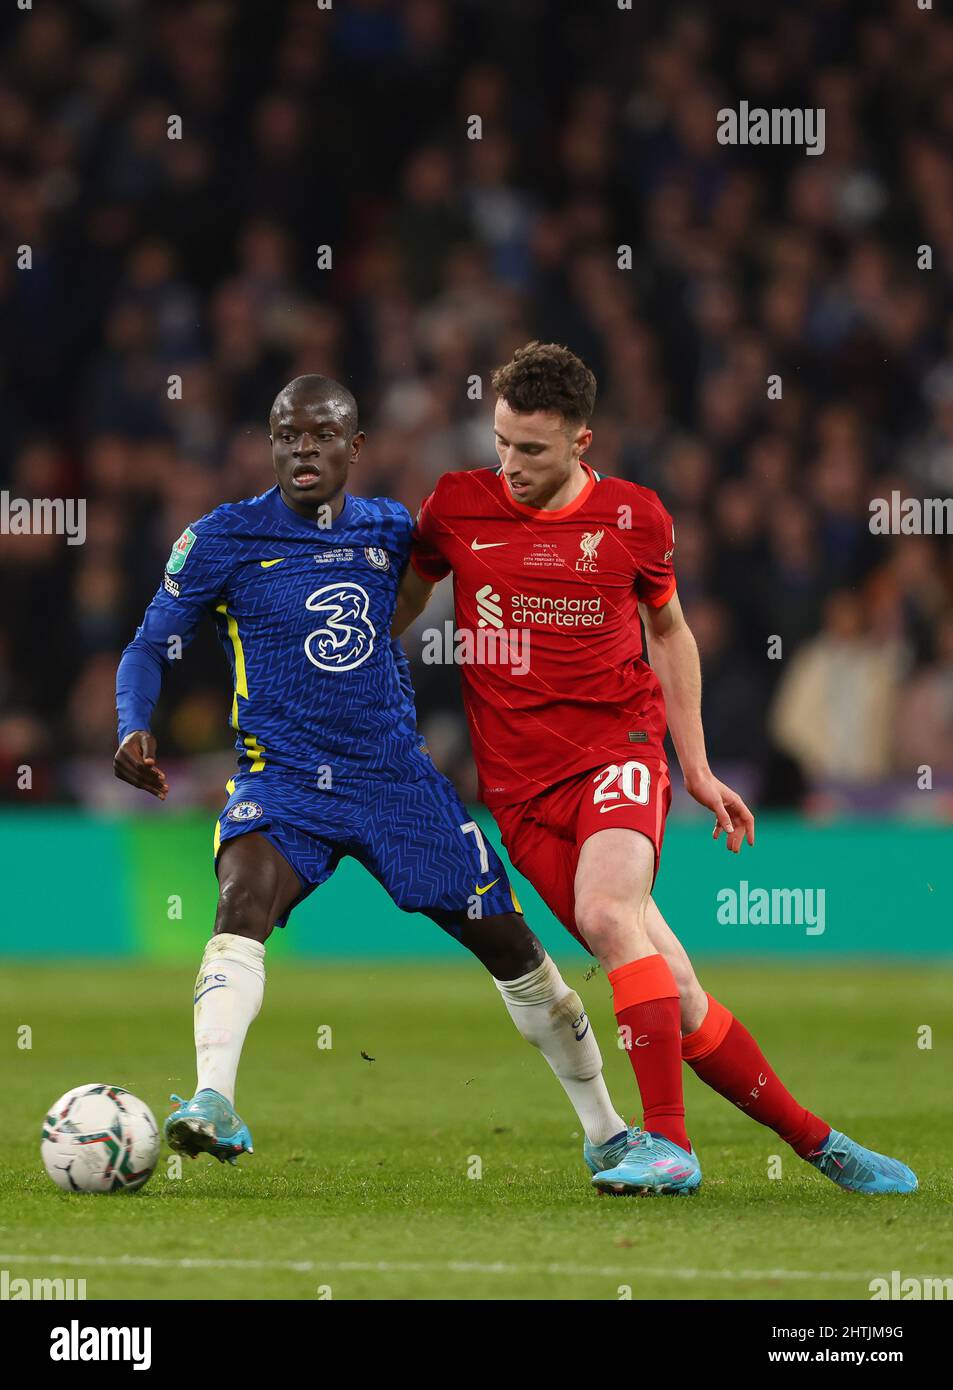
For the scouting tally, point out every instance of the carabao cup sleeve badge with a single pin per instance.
(180, 551)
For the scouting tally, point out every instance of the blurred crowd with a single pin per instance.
(827, 650)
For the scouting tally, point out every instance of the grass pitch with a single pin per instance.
(361, 1186)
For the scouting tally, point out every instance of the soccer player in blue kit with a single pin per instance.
(302, 583)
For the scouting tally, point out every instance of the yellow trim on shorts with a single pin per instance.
(217, 837)
(255, 751)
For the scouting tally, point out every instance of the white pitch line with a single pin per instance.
(442, 1267)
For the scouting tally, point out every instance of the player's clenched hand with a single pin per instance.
(135, 763)
(731, 814)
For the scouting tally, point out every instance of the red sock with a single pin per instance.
(724, 1055)
(645, 998)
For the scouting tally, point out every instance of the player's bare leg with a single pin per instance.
(693, 1001)
(612, 894)
(256, 885)
(724, 1055)
(549, 1015)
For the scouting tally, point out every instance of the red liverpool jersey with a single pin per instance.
(547, 623)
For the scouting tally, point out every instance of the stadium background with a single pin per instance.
(347, 128)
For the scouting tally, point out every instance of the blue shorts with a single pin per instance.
(416, 838)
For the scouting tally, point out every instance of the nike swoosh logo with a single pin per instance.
(206, 991)
(267, 564)
(485, 545)
(481, 891)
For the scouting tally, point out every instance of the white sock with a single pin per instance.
(228, 994)
(550, 1015)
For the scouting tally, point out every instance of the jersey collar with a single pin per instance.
(340, 521)
(540, 513)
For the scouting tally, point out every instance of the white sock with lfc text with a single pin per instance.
(550, 1015)
(228, 994)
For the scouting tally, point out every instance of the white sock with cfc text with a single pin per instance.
(228, 994)
(550, 1015)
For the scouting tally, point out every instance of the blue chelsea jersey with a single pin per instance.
(304, 615)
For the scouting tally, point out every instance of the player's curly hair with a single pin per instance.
(547, 376)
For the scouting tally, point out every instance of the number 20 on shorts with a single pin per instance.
(631, 780)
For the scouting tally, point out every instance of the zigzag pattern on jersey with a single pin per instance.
(315, 682)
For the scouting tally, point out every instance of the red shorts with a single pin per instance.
(543, 836)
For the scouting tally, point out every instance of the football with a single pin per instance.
(99, 1139)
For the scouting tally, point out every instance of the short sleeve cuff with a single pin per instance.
(659, 600)
(430, 569)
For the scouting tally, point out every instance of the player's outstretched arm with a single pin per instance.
(674, 657)
(135, 763)
(195, 577)
(412, 598)
(138, 685)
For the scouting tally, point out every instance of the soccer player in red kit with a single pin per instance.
(552, 566)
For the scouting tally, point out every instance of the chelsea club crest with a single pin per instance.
(376, 557)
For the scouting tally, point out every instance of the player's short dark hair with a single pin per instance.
(319, 388)
(547, 376)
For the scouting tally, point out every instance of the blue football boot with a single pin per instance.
(857, 1169)
(651, 1164)
(207, 1124)
(607, 1154)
